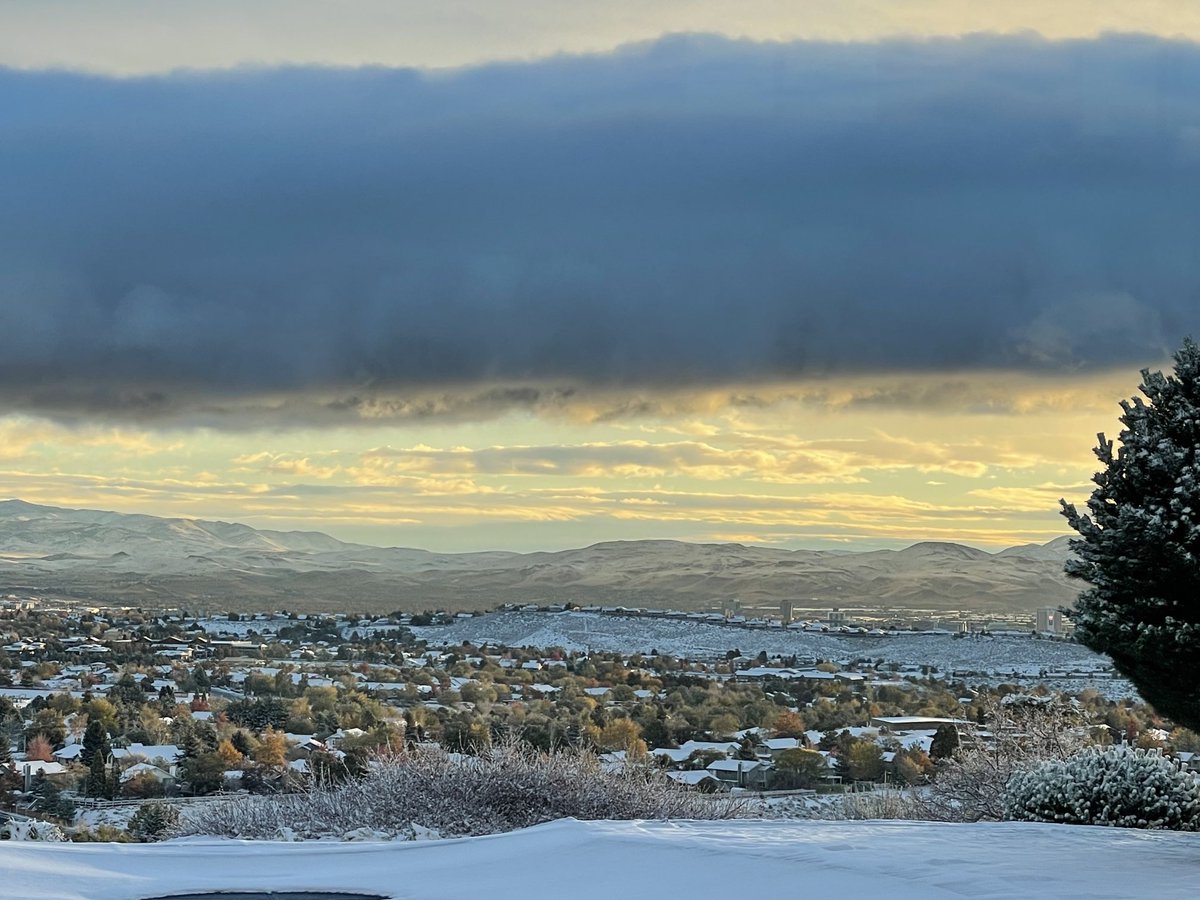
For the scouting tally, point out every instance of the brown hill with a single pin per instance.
(112, 558)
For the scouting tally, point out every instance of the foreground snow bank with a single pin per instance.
(602, 860)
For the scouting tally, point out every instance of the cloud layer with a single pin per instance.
(143, 36)
(315, 245)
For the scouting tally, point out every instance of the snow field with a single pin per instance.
(634, 860)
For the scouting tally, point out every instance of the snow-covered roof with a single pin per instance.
(915, 722)
(685, 750)
(37, 766)
(144, 769)
(785, 743)
(690, 777)
(168, 753)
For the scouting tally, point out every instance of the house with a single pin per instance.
(335, 740)
(683, 752)
(163, 754)
(775, 746)
(68, 754)
(743, 773)
(699, 779)
(29, 769)
(160, 775)
(903, 724)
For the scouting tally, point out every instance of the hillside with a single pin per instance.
(108, 557)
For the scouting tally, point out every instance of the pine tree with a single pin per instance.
(96, 783)
(242, 743)
(113, 783)
(49, 799)
(1139, 544)
(95, 741)
(945, 742)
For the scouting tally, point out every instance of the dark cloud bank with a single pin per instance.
(694, 211)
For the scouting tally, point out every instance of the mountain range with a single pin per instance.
(140, 560)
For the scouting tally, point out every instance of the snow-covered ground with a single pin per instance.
(602, 860)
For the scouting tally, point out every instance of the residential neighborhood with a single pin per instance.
(113, 706)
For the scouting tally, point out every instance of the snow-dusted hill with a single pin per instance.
(640, 861)
(977, 659)
(138, 559)
(580, 631)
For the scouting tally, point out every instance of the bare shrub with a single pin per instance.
(904, 803)
(426, 790)
(1022, 732)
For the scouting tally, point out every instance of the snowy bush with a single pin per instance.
(153, 821)
(1121, 787)
(31, 830)
(428, 792)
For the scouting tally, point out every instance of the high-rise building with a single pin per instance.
(1051, 620)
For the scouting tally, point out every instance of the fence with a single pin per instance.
(96, 803)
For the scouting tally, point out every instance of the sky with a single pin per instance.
(530, 275)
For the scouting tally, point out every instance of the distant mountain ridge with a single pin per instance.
(83, 526)
(109, 557)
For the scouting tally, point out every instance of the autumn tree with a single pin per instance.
(272, 749)
(622, 734)
(38, 748)
(230, 754)
(787, 723)
(913, 766)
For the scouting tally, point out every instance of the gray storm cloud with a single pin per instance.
(691, 212)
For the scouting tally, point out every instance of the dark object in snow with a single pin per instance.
(268, 895)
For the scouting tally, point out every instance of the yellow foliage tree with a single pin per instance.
(622, 735)
(233, 758)
(787, 723)
(272, 749)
